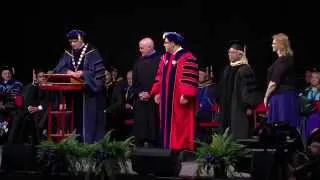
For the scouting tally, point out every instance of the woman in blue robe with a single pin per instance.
(84, 61)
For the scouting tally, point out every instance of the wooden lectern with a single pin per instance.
(61, 83)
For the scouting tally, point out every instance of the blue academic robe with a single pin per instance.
(93, 123)
(11, 87)
(8, 90)
(206, 98)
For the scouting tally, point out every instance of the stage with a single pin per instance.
(188, 171)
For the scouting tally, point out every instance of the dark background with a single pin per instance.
(207, 27)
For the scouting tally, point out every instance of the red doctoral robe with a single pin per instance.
(177, 76)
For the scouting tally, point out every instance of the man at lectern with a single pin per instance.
(84, 61)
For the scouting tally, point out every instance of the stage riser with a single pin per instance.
(22, 158)
(121, 177)
(19, 157)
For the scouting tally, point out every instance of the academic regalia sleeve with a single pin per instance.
(28, 95)
(156, 85)
(16, 88)
(94, 77)
(62, 65)
(136, 83)
(189, 81)
(249, 90)
(132, 98)
(9, 103)
(212, 93)
(116, 100)
(2, 89)
(220, 86)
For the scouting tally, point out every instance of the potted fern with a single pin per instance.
(113, 155)
(51, 159)
(80, 159)
(68, 156)
(222, 152)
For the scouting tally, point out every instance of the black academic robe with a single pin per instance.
(113, 114)
(34, 96)
(146, 114)
(114, 101)
(93, 75)
(238, 91)
(129, 97)
(8, 113)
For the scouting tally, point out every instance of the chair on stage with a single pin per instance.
(61, 83)
(210, 125)
(259, 114)
(317, 105)
(129, 122)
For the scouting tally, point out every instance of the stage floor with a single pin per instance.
(188, 171)
(24, 176)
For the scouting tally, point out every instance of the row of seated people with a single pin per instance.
(208, 110)
(23, 114)
(120, 102)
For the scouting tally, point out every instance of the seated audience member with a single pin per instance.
(206, 96)
(207, 100)
(312, 93)
(129, 99)
(309, 170)
(10, 101)
(113, 99)
(35, 114)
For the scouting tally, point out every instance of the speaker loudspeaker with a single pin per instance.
(18, 157)
(158, 162)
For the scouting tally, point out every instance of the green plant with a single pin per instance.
(222, 151)
(74, 157)
(51, 159)
(118, 152)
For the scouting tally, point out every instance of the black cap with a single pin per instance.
(9, 68)
(204, 69)
(40, 69)
(76, 34)
(238, 45)
(313, 69)
(174, 37)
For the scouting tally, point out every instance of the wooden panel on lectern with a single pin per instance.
(62, 82)
(62, 78)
